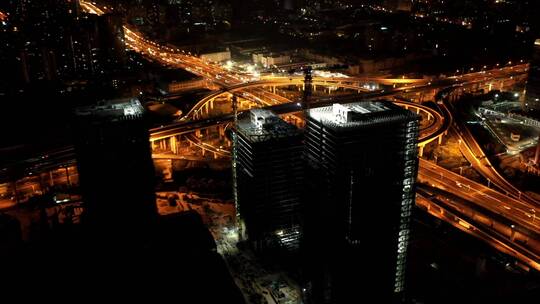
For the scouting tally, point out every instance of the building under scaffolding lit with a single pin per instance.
(268, 164)
(362, 164)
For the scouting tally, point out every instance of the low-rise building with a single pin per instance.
(271, 59)
(176, 81)
(216, 56)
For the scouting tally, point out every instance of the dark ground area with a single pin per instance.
(448, 266)
(177, 262)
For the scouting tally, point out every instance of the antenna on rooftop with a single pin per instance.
(308, 80)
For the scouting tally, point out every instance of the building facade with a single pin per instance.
(268, 164)
(115, 166)
(218, 56)
(362, 163)
(532, 97)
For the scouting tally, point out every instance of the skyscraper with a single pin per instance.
(96, 45)
(362, 162)
(532, 98)
(269, 176)
(115, 166)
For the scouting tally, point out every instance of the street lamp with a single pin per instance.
(512, 232)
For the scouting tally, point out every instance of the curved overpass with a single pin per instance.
(437, 126)
(347, 83)
(352, 80)
(474, 153)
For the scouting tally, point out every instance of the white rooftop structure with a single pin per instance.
(265, 124)
(351, 114)
(125, 108)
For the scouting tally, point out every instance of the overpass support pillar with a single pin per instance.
(417, 110)
(174, 144)
(203, 151)
(162, 145)
(198, 132)
(153, 145)
(51, 178)
(67, 177)
(429, 116)
(15, 191)
(211, 104)
(512, 234)
(221, 131)
(421, 151)
(440, 139)
(215, 155)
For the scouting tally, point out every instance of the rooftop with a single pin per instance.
(263, 125)
(359, 114)
(115, 109)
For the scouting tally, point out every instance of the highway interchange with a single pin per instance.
(517, 207)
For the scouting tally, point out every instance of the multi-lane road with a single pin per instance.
(474, 153)
(517, 211)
